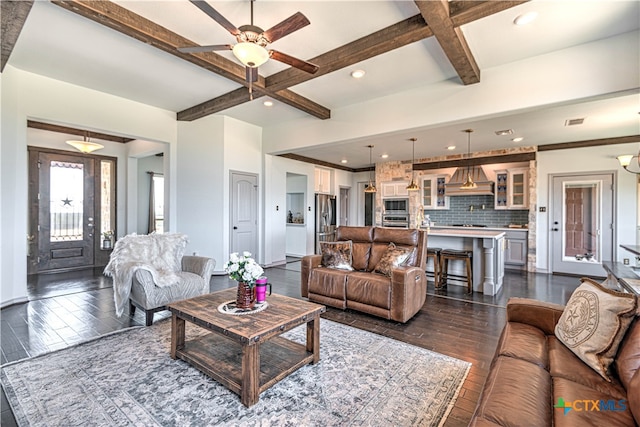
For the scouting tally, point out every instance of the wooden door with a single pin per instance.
(64, 232)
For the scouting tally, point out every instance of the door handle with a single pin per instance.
(554, 229)
(235, 228)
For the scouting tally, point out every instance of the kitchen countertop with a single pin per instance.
(479, 228)
(470, 232)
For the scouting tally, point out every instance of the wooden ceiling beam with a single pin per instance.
(390, 38)
(393, 37)
(126, 22)
(75, 131)
(13, 16)
(465, 12)
(450, 38)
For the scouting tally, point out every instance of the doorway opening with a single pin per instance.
(582, 224)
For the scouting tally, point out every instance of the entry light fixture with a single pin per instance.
(413, 186)
(468, 184)
(371, 187)
(629, 164)
(85, 145)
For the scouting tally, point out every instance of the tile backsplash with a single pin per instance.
(459, 213)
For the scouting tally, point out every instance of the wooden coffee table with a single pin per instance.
(245, 352)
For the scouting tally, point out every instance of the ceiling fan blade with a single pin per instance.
(294, 62)
(208, 48)
(252, 74)
(288, 26)
(216, 16)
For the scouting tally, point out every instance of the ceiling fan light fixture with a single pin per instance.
(250, 54)
(85, 146)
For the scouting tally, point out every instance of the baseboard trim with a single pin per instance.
(13, 301)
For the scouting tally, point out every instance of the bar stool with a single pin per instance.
(455, 254)
(435, 254)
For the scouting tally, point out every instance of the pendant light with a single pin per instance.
(468, 184)
(413, 186)
(371, 187)
(85, 145)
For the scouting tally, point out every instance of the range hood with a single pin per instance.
(485, 187)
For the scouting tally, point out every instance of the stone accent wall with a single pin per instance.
(533, 208)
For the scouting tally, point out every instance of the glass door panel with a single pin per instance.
(66, 200)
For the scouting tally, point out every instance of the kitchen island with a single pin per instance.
(488, 254)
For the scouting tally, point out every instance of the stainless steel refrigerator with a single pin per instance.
(325, 219)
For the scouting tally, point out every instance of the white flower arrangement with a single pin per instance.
(243, 268)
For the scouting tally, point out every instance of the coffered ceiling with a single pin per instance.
(128, 49)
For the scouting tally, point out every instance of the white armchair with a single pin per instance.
(150, 271)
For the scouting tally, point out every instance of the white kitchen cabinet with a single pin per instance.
(512, 189)
(395, 189)
(433, 192)
(322, 181)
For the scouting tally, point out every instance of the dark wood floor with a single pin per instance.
(65, 309)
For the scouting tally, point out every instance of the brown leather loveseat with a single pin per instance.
(398, 297)
(535, 380)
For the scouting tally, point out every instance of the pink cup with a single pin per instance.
(261, 289)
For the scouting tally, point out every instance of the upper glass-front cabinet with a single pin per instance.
(433, 193)
(512, 189)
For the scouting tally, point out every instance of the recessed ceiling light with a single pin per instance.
(451, 147)
(384, 156)
(518, 139)
(344, 161)
(358, 74)
(268, 103)
(504, 132)
(525, 18)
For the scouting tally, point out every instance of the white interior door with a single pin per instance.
(244, 213)
(582, 224)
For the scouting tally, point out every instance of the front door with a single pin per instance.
(65, 211)
(244, 213)
(582, 224)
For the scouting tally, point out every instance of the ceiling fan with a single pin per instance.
(251, 47)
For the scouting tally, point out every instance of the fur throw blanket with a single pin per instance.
(160, 254)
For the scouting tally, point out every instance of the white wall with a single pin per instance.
(591, 160)
(201, 204)
(208, 150)
(30, 96)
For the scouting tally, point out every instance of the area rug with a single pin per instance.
(129, 379)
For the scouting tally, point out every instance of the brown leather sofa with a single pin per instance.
(532, 370)
(398, 297)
